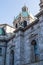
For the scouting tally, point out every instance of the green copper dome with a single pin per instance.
(25, 14)
(2, 32)
(24, 11)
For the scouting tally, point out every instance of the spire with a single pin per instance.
(41, 4)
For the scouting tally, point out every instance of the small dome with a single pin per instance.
(25, 14)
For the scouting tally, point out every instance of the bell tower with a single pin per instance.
(41, 5)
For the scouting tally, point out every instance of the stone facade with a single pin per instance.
(25, 45)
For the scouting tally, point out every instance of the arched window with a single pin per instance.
(25, 23)
(35, 50)
(16, 25)
(12, 57)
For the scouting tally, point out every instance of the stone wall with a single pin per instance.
(21, 44)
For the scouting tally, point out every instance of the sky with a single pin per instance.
(11, 8)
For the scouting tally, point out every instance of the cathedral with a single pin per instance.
(22, 43)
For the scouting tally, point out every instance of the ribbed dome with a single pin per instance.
(24, 18)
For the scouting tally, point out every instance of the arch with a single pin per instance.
(33, 42)
(35, 50)
(25, 23)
